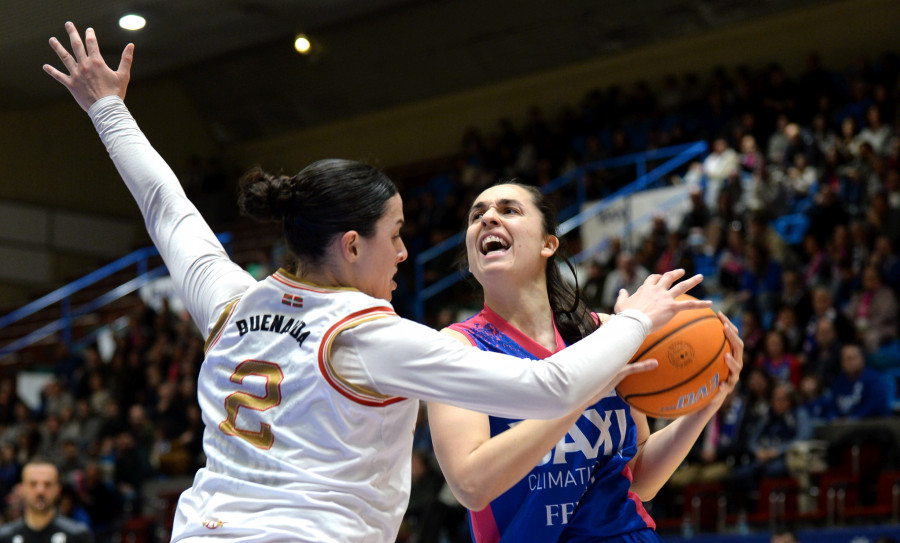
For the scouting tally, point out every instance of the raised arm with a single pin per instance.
(204, 275)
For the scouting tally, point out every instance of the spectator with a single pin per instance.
(783, 425)
(857, 392)
(823, 352)
(628, 274)
(874, 310)
(777, 361)
(876, 133)
(812, 399)
(41, 521)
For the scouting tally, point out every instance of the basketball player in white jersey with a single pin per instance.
(310, 384)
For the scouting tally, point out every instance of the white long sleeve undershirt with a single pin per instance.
(393, 356)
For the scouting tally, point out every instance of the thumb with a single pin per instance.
(623, 295)
(124, 68)
(640, 366)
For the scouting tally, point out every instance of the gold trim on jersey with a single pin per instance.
(220, 325)
(358, 393)
(291, 280)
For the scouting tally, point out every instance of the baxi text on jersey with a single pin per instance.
(279, 324)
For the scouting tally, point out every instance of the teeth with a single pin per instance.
(497, 242)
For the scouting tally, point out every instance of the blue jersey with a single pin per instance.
(582, 484)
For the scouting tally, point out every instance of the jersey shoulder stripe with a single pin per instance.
(359, 394)
(288, 279)
(219, 327)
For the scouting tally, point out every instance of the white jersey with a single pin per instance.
(286, 434)
(308, 434)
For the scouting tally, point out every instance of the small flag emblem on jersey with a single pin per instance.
(292, 300)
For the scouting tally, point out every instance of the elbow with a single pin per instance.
(471, 495)
(643, 492)
(476, 502)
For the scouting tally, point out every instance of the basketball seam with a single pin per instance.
(673, 387)
(660, 340)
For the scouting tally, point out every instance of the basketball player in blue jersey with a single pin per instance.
(581, 477)
(310, 384)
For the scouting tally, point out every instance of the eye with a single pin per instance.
(512, 211)
(475, 216)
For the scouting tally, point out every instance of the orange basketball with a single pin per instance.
(691, 351)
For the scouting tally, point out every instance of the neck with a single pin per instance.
(323, 276)
(38, 520)
(526, 307)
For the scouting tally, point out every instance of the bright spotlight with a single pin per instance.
(302, 44)
(132, 22)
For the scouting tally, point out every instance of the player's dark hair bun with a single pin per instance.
(265, 197)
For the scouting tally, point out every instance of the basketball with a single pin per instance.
(690, 350)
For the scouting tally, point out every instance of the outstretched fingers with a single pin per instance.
(667, 279)
(67, 59)
(90, 40)
(57, 75)
(75, 39)
(686, 285)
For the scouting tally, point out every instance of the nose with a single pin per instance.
(402, 254)
(490, 216)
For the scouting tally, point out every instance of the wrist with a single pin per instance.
(640, 317)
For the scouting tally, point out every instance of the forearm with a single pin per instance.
(421, 363)
(493, 466)
(665, 450)
(203, 273)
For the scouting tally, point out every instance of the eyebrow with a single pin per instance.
(504, 202)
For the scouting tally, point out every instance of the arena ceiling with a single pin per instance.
(234, 59)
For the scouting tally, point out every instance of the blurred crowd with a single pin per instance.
(794, 221)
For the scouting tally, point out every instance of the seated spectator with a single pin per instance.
(876, 133)
(813, 399)
(822, 354)
(817, 265)
(753, 333)
(718, 166)
(787, 323)
(628, 274)
(857, 392)
(760, 280)
(874, 311)
(783, 425)
(794, 294)
(777, 361)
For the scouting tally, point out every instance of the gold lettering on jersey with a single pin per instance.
(271, 372)
(273, 323)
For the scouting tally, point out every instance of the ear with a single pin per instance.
(349, 245)
(551, 244)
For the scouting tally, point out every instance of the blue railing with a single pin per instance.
(570, 217)
(63, 297)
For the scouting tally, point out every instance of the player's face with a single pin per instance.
(380, 254)
(40, 487)
(506, 235)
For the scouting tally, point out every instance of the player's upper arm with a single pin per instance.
(458, 336)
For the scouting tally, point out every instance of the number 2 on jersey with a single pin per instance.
(262, 438)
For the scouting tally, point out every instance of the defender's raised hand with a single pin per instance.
(89, 78)
(656, 297)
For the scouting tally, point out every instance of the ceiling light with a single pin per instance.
(132, 22)
(302, 44)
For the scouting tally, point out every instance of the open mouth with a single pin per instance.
(492, 244)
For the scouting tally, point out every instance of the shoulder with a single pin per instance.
(457, 335)
(11, 528)
(70, 526)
